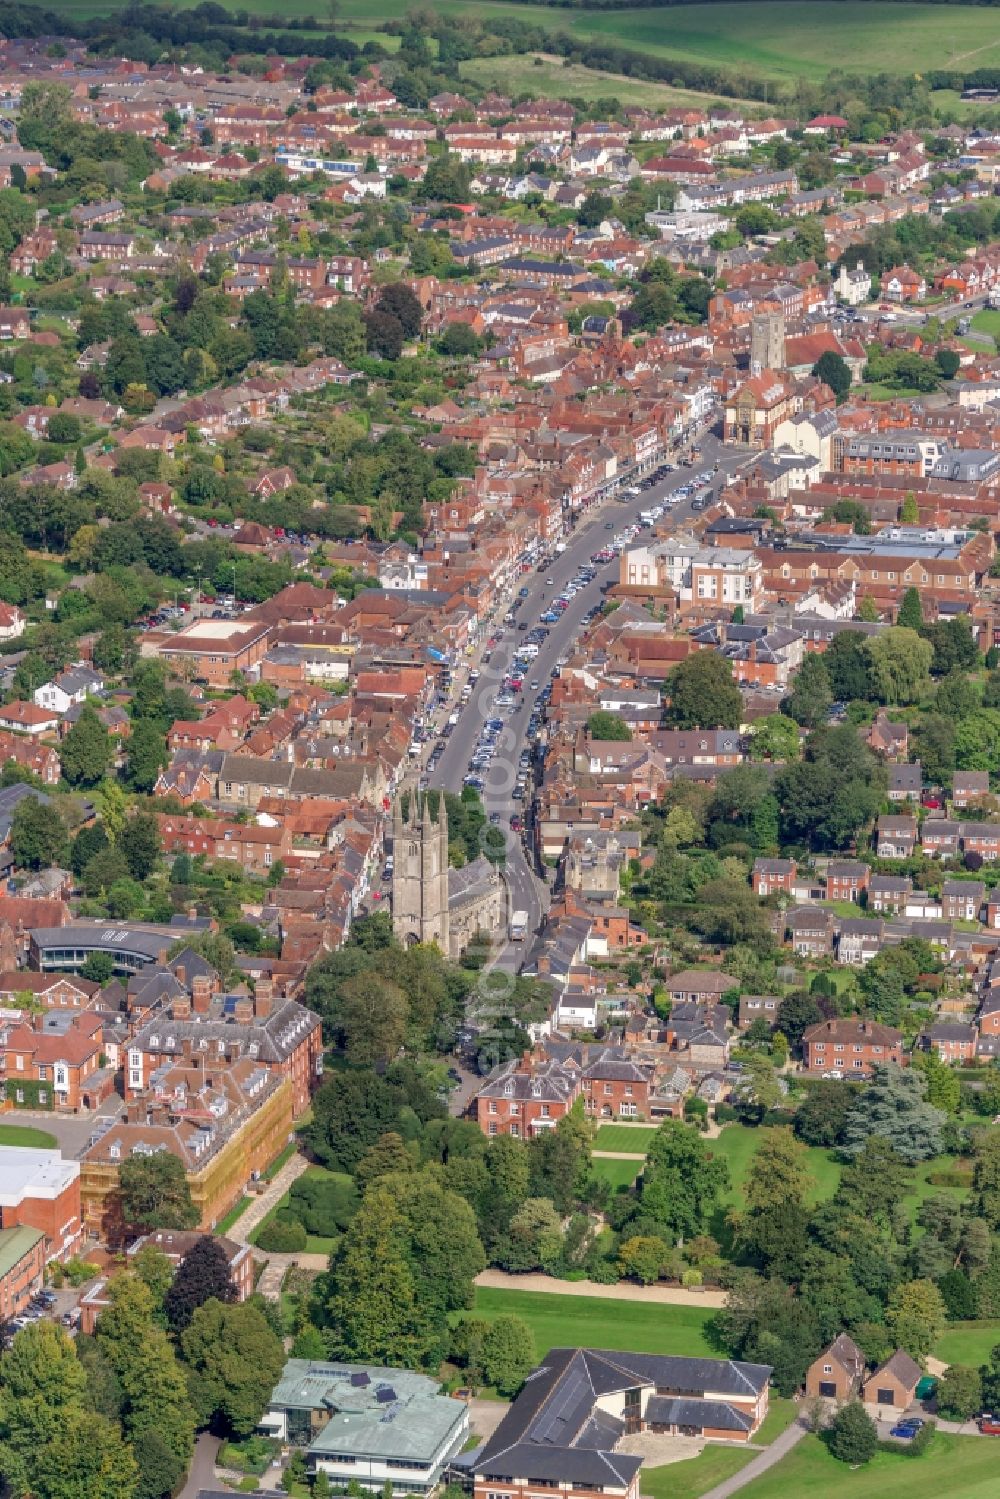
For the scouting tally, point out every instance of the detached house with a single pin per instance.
(72, 686)
(770, 875)
(838, 1372)
(850, 1046)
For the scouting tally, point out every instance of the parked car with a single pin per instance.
(906, 1430)
(989, 1425)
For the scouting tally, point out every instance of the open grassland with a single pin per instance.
(578, 1321)
(548, 77)
(951, 1468)
(780, 39)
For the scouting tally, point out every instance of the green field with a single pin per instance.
(952, 1468)
(968, 1342)
(779, 39)
(625, 1137)
(987, 321)
(26, 1134)
(571, 1321)
(546, 76)
(617, 1173)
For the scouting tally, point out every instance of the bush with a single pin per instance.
(323, 1205)
(853, 1437)
(725, 1114)
(950, 1178)
(283, 1235)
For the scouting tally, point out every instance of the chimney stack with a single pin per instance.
(263, 998)
(243, 1010)
(181, 1007)
(201, 993)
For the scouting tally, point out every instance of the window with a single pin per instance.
(19, 1095)
(827, 1368)
(43, 1095)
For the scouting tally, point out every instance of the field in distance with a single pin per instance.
(780, 39)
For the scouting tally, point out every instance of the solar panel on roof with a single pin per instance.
(384, 1394)
(229, 1004)
(359, 1381)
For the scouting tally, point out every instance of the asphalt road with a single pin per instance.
(528, 890)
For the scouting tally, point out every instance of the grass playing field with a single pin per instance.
(576, 1321)
(952, 1468)
(780, 39)
(25, 1134)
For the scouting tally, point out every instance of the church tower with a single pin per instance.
(420, 873)
(767, 342)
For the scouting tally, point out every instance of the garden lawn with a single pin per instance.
(952, 1468)
(617, 1173)
(738, 1145)
(922, 1188)
(587, 1321)
(26, 1134)
(987, 321)
(626, 1137)
(967, 1343)
(694, 1476)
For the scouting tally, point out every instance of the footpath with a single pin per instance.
(500, 1280)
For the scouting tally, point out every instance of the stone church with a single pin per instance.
(432, 903)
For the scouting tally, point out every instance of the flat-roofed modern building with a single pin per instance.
(41, 1190)
(375, 1426)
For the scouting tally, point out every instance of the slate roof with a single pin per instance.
(551, 1431)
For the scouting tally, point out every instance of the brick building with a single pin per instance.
(40, 1190)
(851, 1046)
(521, 1098)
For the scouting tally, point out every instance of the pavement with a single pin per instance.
(528, 890)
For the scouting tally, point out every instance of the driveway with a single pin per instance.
(201, 1474)
(73, 1132)
(760, 1464)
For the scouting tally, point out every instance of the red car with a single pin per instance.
(989, 1425)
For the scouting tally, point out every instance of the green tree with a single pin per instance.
(160, 1470)
(41, 1382)
(944, 1088)
(38, 835)
(765, 1322)
(960, 1393)
(899, 661)
(702, 693)
(819, 1118)
(156, 1271)
(154, 1192)
(772, 1228)
(811, 696)
(775, 737)
(140, 845)
(853, 1436)
(683, 1181)
(909, 514)
(508, 1354)
(99, 967)
(373, 1308)
(535, 1237)
(152, 1382)
(916, 1316)
(643, 1257)
(894, 1107)
(834, 371)
(796, 1013)
(234, 1359)
(605, 725)
(85, 1459)
(146, 755)
(911, 610)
